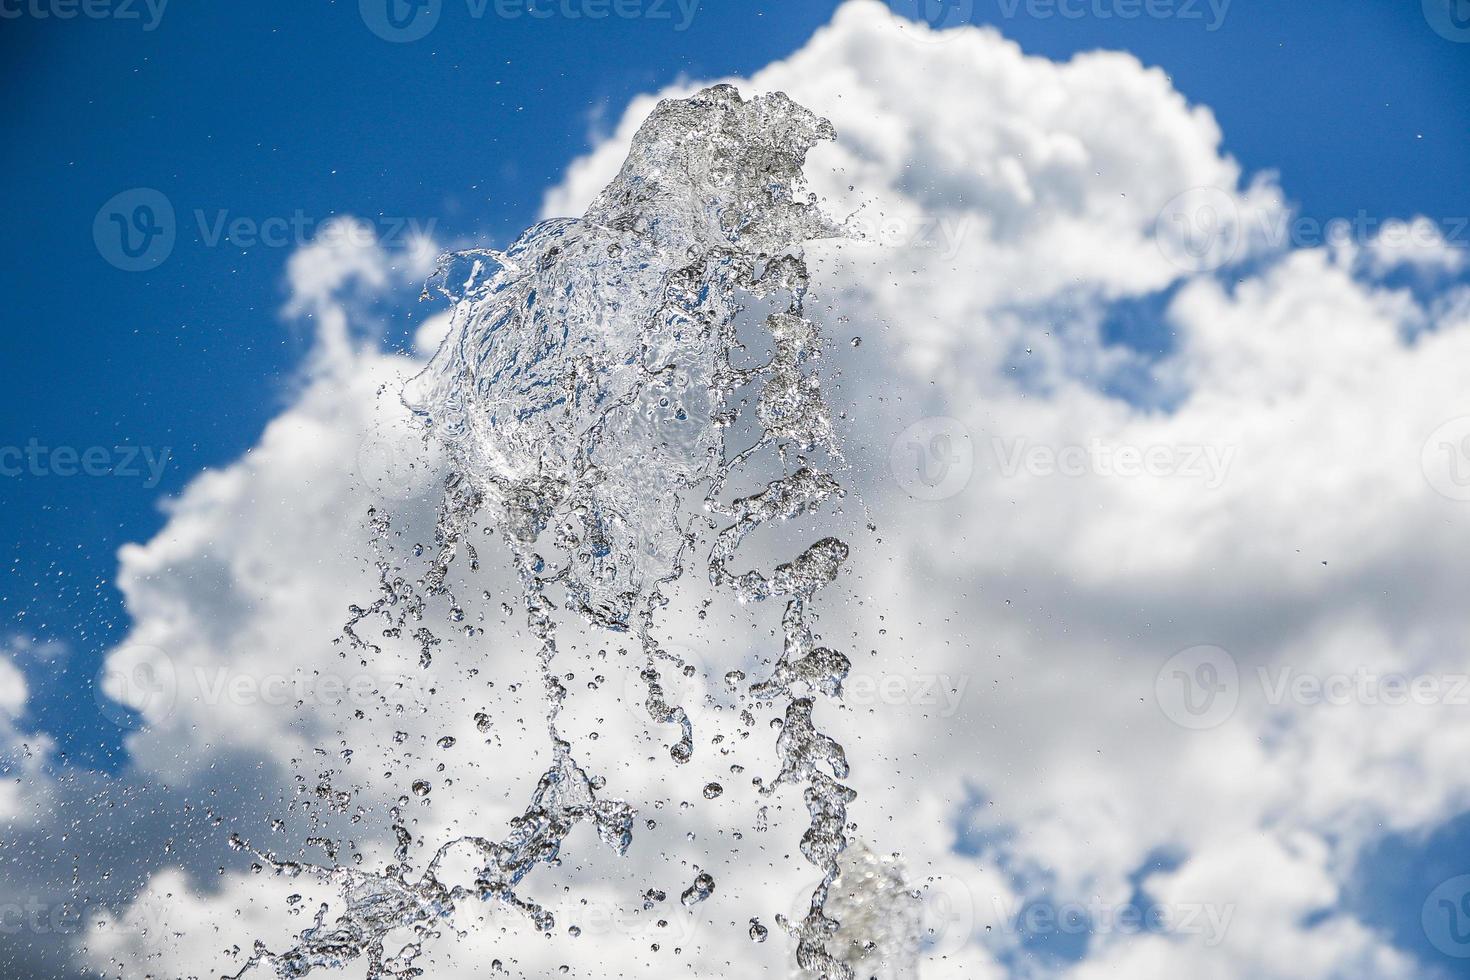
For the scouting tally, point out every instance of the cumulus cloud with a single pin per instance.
(1277, 484)
(1421, 244)
(1016, 180)
(21, 757)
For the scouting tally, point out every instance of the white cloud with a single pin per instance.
(1252, 894)
(1420, 243)
(22, 756)
(1027, 178)
(13, 689)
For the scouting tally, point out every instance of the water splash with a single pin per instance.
(586, 393)
(879, 916)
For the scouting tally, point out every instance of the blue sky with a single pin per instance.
(276, 111)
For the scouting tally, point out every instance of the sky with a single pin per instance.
(280, 119)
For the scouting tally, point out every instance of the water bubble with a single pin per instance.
(703, 887)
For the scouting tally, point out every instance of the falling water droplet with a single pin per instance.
(702, 888)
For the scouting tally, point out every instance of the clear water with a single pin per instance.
(589, 395)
